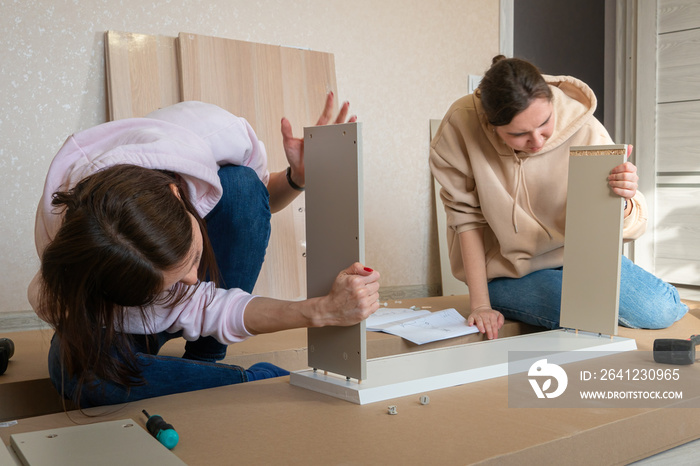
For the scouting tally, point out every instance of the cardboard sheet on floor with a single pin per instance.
(264, 83)
(327, 430)
(26, 380)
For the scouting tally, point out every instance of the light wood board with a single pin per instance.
(450, 285)
(264, 83)
(141, 72)
(593, 241)
(335, 238)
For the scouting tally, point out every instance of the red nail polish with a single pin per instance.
(367, 269)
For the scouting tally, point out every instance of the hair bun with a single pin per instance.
(497, 58)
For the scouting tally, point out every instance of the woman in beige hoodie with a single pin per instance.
(501, 156)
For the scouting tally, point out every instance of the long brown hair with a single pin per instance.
(122, 228)
(508, 88)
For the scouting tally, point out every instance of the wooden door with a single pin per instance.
(677, 218)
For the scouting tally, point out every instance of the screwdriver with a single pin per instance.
(161, 430)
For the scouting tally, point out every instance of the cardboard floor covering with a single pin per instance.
(272, 422)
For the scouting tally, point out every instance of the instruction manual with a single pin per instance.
(420, 326)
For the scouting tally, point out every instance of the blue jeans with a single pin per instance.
(645, 300)
(239, 229)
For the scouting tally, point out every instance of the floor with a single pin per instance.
(686, 454)
(682, 455)
(689, 453)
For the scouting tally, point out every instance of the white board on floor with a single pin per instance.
(408, 374)
(104, 443)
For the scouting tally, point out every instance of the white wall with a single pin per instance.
(398, 62)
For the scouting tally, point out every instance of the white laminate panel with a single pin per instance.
(407, 374)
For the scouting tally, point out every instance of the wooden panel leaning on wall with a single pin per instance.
(259, 82)
(262, 83)
(141, 72)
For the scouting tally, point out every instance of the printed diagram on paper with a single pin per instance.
(422, 326)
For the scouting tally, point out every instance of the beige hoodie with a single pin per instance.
(519, 199)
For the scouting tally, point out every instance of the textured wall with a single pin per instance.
(398, 62)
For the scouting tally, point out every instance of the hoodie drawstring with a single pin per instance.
(521, 181)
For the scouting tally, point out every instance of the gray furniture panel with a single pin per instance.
(334, 238)
(593, 241)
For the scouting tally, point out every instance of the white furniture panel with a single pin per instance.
(412, 373)
(110, 443)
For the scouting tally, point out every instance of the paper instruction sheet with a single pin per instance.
(422, 326)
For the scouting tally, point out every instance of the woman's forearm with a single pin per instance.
(281, 192)
(353, 297)
(474, 261)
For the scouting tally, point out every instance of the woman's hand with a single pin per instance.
(294, 147)
(354, 296)
(623, 178)
(487, 320)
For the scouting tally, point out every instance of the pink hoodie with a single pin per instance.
(189, 138)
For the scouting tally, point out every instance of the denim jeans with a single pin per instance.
(239, 230)
(645, 300)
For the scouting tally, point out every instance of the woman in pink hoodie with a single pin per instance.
(155, 228)
(501, 156)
